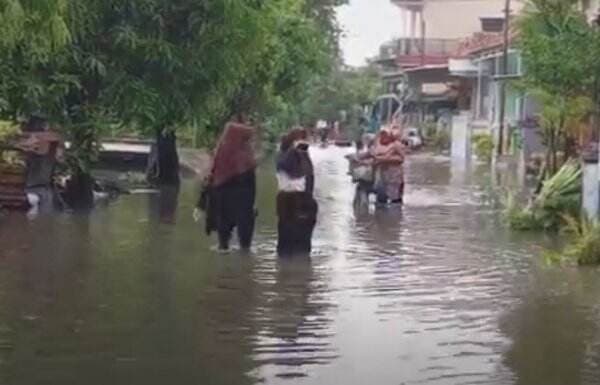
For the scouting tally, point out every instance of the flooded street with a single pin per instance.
(436, 293)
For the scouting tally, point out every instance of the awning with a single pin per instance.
(463, 68)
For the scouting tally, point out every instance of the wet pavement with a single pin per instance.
(436, 293)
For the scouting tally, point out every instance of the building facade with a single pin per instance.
(432, 33)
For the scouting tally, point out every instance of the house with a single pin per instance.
(431, 37)
(479, 61)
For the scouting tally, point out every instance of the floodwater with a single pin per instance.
(436, 293)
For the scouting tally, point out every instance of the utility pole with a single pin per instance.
(504, 72)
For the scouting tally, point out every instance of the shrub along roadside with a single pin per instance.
(559, 197)
(483, 146)
(583, 247)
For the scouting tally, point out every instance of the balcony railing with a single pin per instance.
(408, 52)
(410, 4)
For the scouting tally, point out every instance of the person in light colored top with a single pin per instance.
(388, 155)
(296, 207)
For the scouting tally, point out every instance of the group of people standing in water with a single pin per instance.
(229, 194)
(378, 166)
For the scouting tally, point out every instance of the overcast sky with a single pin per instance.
(367, 24)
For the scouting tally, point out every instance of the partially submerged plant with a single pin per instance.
(483, 145)
(441, 141)
(583, 247)
(517, 216)
(559, 197)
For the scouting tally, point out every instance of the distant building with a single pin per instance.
(432, 33)
(479, 62)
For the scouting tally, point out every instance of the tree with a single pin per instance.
(301, 49)
(561, 55)
(341, 90)
(156, 65)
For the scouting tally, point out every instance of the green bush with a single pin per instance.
(429, 129)
(560, 197)
(483, 145)
(8, 130)
(583, 247)
(440, 141)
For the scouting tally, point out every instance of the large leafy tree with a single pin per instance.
(156, 65)
(172, 62)
(341, 90)
(561, 53)
(557, 46)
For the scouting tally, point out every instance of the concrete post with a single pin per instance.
(460, 152)
(591, 186)
(461, 137)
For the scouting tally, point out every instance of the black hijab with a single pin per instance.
(294, 161)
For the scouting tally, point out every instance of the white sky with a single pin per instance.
(367, 24)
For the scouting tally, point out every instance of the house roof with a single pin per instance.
(428, 67)
(482, 42)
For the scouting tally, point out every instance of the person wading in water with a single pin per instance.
(296, 208)
(388, 155)
(43, 149)
(230, 191)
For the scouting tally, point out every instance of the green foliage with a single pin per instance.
(323, 12)
(96, 66)
(36, 28)
(483, 145)
(340, 90)
(558, 47)
(560, 120)
(440, 141)
(518, 217)
(583, 247)
(560, 197)
(561, 53)
(429, 129)
(8, 131)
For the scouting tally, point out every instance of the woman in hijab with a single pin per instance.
(296, 207)
(231, 187)
(388, 154)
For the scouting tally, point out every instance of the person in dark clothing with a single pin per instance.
(43, 149)
(230, 192)
(296, 208)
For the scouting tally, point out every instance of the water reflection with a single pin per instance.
(163, 206)
(46, 298)
(294, 326)
(224, 322)
(434, 293)
(555, 332)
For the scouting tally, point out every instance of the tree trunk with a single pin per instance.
(570, 147)
(164, 169)
(552, 152)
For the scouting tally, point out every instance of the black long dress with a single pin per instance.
(229, 206)
(296, 211)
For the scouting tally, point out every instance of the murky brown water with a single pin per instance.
(438, 293)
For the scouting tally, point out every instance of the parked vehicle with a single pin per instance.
(413, 138)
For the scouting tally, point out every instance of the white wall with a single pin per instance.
(455, 19)
(592, 8)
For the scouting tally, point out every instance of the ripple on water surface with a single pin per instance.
(433, 293)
